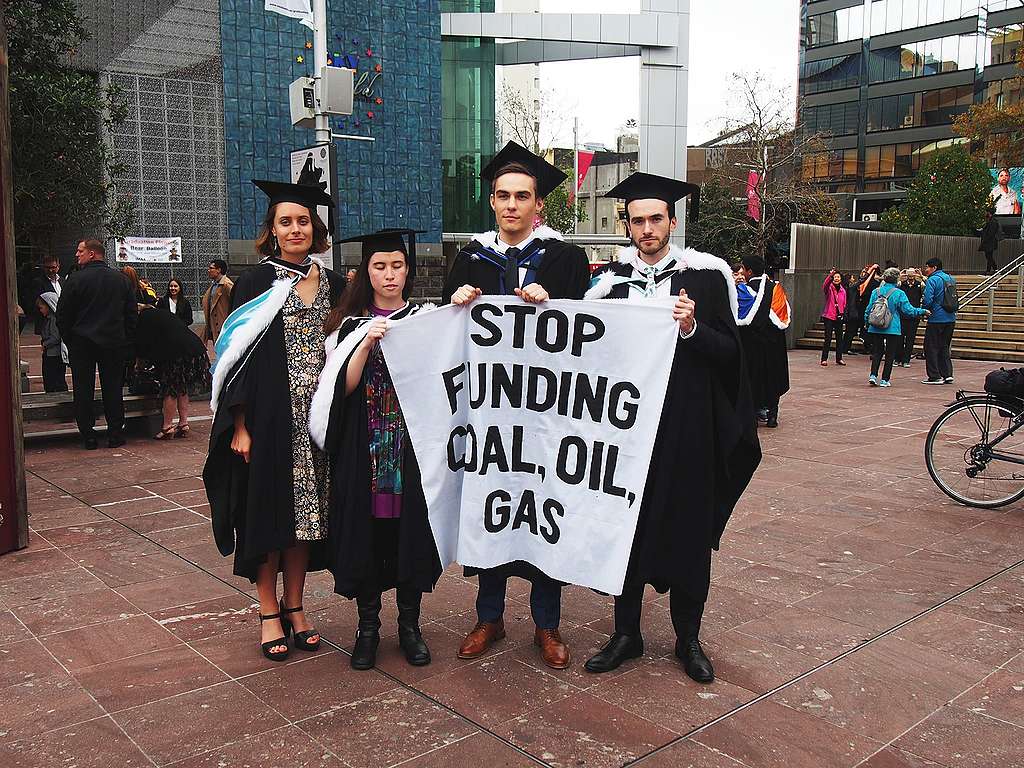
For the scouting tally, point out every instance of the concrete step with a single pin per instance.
(59, 406)
(962, 353)
(48, 430)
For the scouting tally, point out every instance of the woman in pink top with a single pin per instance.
(833, 314)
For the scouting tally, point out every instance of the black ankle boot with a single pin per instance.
(409, 636)
(364, 654)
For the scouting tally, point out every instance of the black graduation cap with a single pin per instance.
(387, 240)
(647, 186)
(301, 194)
(548, 176)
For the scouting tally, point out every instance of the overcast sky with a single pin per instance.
(726, 36)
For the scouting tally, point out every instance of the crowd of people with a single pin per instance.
(310, 464)
(299, 358)
(111, 321)
(884, 308)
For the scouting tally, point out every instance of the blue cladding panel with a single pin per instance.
(394, 181)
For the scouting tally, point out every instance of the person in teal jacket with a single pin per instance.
(887, 340)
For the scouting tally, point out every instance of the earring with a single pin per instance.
(277, 247)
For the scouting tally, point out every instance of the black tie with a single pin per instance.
(511, 270)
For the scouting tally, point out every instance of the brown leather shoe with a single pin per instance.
(554, 652)
(479, 640)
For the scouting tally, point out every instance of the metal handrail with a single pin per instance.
(989, 283)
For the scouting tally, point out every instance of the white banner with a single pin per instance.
(294, 9)
(153, 250)
(533, 426)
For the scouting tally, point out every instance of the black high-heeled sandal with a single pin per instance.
(301, 638)
(275, 655)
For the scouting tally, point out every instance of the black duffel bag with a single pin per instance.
(1005, 382)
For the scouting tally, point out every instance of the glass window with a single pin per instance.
(830, 74)
(904, 165)
(871, 157)
(909, 13)
(874, 115)
(887, 160)
(835, 26)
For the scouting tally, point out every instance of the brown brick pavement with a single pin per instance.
(125, 640)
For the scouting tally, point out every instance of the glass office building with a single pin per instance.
(883, 80)
(467, 122)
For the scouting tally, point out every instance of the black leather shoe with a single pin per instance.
(773, 418)
(364, 654)
(697, 665)
(116, 442)
(90, 444)
(618, 649)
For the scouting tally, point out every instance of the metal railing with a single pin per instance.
(989, 285)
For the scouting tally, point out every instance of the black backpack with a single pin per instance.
(950, 297)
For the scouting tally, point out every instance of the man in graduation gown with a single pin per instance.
(252, 504)
(707, 449)
(763, 318)
(534, 264)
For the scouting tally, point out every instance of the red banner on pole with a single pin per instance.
(753, 199)
(583, 161)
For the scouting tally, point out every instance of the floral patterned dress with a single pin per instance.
(304, 344)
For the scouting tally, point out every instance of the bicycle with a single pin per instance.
(975, 450)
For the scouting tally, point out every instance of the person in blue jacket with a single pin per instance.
(938, 336)
(889, 338)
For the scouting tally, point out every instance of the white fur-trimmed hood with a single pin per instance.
(244, 338)
(337, 356)
(686, 258)
(490, 239)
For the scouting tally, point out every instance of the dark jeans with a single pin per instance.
(849, 334)
(886, 344)
(990, 261)
(909, 328)
(545, 600)
(686, 613)
(54, 373)
(86, 356)
(832, 327)
(937, 339)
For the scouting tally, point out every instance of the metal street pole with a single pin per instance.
(323, 123)
(576, 171)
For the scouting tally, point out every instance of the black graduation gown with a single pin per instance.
(351, 531)
(564, 272)
(706, 449)
(764, 346)
(252, 505)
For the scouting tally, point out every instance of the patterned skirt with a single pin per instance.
(189, 375)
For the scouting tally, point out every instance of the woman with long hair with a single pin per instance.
(174, 301)
(266, 481)
(380, 537)
(143, 298)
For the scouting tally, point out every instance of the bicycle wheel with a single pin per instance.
(959, 457)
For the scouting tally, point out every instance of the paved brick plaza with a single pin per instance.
(126, 641)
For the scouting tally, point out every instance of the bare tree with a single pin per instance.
(533, 122)
(763, 137)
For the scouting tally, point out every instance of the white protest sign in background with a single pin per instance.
(533, 426)
(152, 250)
